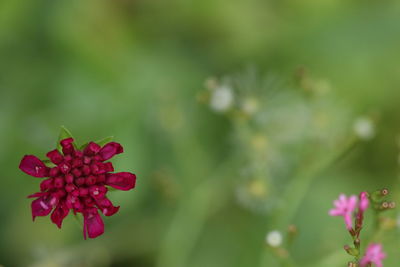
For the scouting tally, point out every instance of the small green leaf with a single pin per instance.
(78, 219)
(82, 147)
(111, 189)
(100, 142)
(64, 133)
(48, 163)
(104, 141)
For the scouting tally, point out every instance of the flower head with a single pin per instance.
(78, 182)
(345, 207)
(373, 255)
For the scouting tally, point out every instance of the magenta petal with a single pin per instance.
(121, 180)
(38, 194)
(58, 215)
(46, 184)
(33, 166)
(67, 145)
(55, 156)
(110, 210)
(110, 149)
(40, 207)
(106, 206)
(108, 167)
(93, 224)
(92, 149)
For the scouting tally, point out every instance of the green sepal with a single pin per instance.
(64, 133)
(105, 140)
(379, 195)
(100, 142)
(111, 189)
(48, 163)
(78, 219)
(353, 252)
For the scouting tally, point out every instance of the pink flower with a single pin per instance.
(345, 207)
(364, 202)
(78, 182)
(373, 255)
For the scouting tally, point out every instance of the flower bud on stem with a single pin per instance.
(351, 251)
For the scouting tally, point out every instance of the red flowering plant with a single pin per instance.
(78, 179)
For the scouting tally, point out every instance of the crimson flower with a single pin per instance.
(78, 182)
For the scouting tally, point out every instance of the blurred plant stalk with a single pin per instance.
(297, 190)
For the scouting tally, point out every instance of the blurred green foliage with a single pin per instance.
(136, 69)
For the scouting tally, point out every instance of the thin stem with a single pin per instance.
(190, 218)
(299, 187)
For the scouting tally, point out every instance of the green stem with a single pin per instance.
(299, 187)
(190, 218)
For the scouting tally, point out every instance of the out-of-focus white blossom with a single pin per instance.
(364, 128)
(221, 98)
(274, 238)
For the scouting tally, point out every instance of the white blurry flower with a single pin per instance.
(221, 98)
(364, 128)
(274, 238)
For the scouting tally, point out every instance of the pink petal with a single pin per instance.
(33, 166)
(364, 201)
(40, 207)
(58, 215)
(121, 180)
(93, 224)
(352, 202)
(335, 212)
(110, 149)
(348, 221)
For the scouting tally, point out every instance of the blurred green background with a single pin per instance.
(136, 69)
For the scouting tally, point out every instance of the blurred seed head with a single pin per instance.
(387, 223)
(398, 221)
(364, 128)
(272, 124)
(221, 99)
(292, 229)
(211, 83)
(384, 191)
(259, 142)
(274, 238)
(256, 194)
(250, 105)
